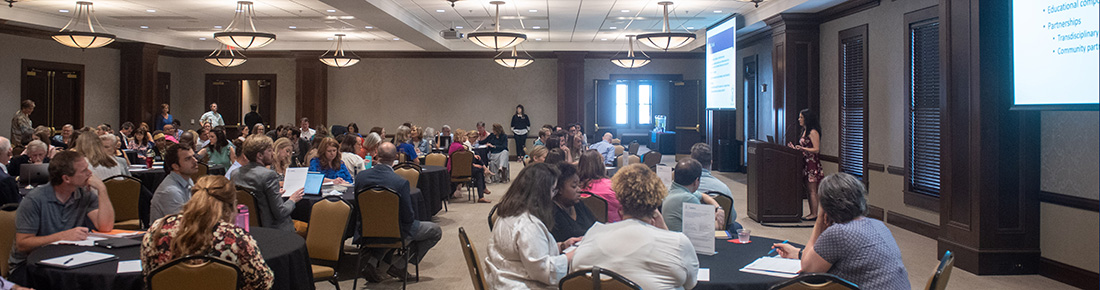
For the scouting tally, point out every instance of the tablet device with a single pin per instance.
(313, 183)
(117, 243)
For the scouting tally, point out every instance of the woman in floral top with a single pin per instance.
(203, 227)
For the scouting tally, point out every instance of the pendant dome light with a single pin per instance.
(666, 40)
(754, 2)
(631, 60)
(83, 39)
(515, 60)
(226, 57)
(236, 36)
(337, 57)
(496, 40)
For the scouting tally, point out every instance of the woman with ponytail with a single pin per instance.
(204, 227)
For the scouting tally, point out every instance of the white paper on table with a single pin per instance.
(774, 266)
(704, 274)
(87, 242)
(129, 266)
(75, 260)
(333, 192)
(698, 226)
(665, 173)
(295, 179)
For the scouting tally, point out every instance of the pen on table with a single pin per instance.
(773, 248)
(67, 261)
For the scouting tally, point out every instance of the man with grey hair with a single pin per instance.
(708, 183)
(445, 137)
(9, 189)
(35, 153)
(684, 189)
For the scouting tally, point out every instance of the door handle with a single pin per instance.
(696, 128)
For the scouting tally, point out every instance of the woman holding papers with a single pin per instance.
(205, 227)
(640, 247)
(847, 244)
(522, 252)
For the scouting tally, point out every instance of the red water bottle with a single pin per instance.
(149, 162)
(242, 217)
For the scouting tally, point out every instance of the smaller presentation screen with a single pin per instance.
(722, 65)
(1056, 53)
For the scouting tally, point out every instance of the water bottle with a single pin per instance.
(242, 216)
(369, 162)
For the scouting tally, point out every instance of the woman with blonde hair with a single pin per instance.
(205, 227)
(102, 164)
(640, 246)
(284, 150)
(329, 162)
(402, 139)
(537, 155)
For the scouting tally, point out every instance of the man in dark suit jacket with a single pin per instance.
(9, 190)
(420, 235)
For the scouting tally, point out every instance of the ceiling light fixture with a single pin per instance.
(756, 3)
(11, 2)
(81, 39)
(337, 57)
(151, 10)
(666, 40)
(226, 57)
(496, 40)
(235, 36)
(630, 61)
(515, 60)
(63, 10)
(533, 11)
(331, 11)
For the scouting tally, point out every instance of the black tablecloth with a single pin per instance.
(435, 182)
(150, 180)
(725, 266)
(304, 207)
(284, 252)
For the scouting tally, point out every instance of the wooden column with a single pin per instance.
(137, 91)
(794, 71)
(570, 87)
(989, 209)
(311, 90)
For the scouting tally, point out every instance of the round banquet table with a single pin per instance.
(284, 252)
(435, 183)
(150, 180)
(304, 208)
(725, 266)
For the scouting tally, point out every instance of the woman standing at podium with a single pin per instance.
(808, 142)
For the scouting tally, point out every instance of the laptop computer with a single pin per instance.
(771, 139)
(314, 180)
(34, 174)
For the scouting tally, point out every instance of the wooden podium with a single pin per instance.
(775, 181)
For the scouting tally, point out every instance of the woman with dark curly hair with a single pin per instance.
(808, 144)
(640, 246)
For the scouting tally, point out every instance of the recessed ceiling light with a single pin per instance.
(331, 11)
(63, 11)
(330, 38)
(459, 27)
(532, 11)
(440, 10)
(395, 38)
(536, 27)
(217, 27)
(202, 38)
(613, 27)
(717, 11)
(538, 39)
(624, 11)
(691, 27)
(369, 27)
(151, 10)
(293, 27)
(603, 39)
(330, 17)
(347, 17)
(144, 27)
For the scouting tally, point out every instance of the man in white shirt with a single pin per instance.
(212, 117)
(307, 133)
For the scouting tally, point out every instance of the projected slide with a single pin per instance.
(1056, 52)
(722, 65)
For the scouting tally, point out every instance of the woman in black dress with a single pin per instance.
(520, 126)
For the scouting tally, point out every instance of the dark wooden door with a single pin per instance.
(686, 117)
(164, 89)
(227, 94)
(57, 90)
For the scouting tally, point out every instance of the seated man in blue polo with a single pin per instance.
(708, 183)
(64, 210)
(684, 189)
(175, 190)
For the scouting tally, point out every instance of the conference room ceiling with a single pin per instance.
(404, 25)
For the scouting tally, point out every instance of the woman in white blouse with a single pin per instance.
(640, 247)
(522, 252)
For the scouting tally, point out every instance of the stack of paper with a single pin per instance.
(117, 233)
(78, 259)
(774, 266)
(87, 242)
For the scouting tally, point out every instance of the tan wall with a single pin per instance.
(1069, 165)
(101, 72)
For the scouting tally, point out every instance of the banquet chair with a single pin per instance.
(325, 237)
(651, 159)
(493, 216)
(616, 141)
(245, 197)
(381, 228)
(596, 204)
(124, 192)
(203, 168)
(410, 174)
(462, 163)
(7, 234)
(619, 150)
(210, 273)
(402, 157)
(816, 281)
(470, 252)
(938, 281)
(633, 149)
(596, 278)
(726, 203)
(436, 159)
(627, 159)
